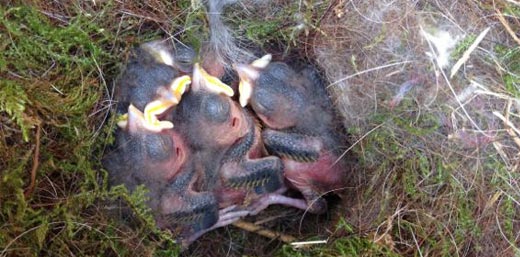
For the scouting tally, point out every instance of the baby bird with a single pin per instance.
(161, 162)
(221, 136)
(148, 151)
(300, 126)
(177, 55)
(226, 141)
(153, 81)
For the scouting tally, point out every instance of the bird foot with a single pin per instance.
(276, 198)
(227, 216)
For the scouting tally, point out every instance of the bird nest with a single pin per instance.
(428, 93)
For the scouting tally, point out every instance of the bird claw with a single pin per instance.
(227, 216)
(276, 198)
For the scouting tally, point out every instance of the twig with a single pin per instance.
(512, 129)
(3, 253)
(270, 218)
(466, 54)
(506, 25)
(507, 122)
(140, 16)
(307, 243)
(248, 226)
(35, 165)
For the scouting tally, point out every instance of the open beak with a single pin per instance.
(248, 74)
(178, 87)
(210, 83)
(172, 95)
(134, 122)
(137, 122)
(167, 100)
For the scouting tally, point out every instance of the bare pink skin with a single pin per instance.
(325, 174)
(276, 198)
(228, 133)
(247, 199)
(175, 165)
(229, 155)
(228, 196)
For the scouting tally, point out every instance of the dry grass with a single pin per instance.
(442, 169)
(438, 156)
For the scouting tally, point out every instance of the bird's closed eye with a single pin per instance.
(216, 109)
(262, 108)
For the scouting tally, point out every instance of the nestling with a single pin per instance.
(161, 162)
(149, 152)
(300, 126)
(154, 81)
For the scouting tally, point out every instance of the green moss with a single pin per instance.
(284, 26)
(405, 163)
(351, 245)
(259, 31)
(417, 123)
(194, 21)
(510, 58)
(512, 10)
(56, 70)
(462, 46)
(53, 79)
(12, 101)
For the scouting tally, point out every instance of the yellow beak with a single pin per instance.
(213, 84)
(139, 121)
(248, 74)
(178, 87)
(158, 107)
(135, 120)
